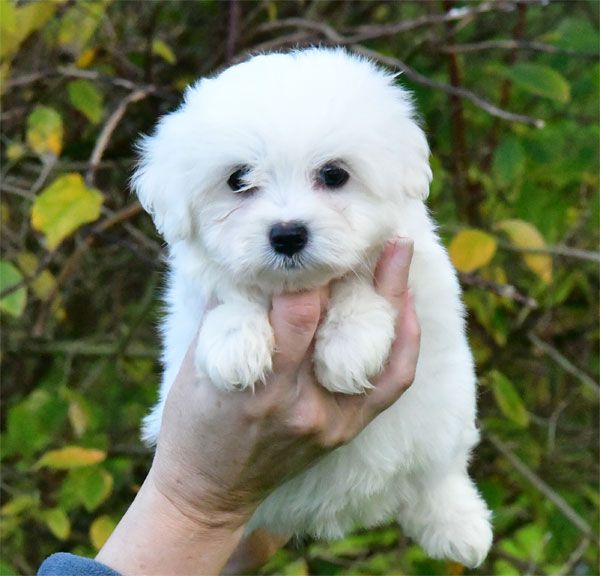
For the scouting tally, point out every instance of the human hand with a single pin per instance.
(219, 454)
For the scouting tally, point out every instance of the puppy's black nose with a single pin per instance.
(288, 237)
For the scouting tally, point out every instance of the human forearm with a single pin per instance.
(156, 537)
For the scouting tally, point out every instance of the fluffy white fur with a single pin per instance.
(285, 116)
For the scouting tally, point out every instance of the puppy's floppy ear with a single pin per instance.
(159, 183)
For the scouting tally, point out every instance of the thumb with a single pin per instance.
(294, 318)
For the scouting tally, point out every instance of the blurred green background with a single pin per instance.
(508, 92)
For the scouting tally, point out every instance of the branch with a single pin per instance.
(109, 127)
(555, 250)
(71, 72)
(370, 32)
(504, 290)
(80, 348)
(573, 559)
(124, 214)
(564, 363)
(517, 45)
(461, 92)
(233, 29)
(334, 37)
(568, 512)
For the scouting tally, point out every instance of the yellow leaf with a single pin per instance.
(525, 235)
(100, 530)
(45, 131)
(86, 58)
(44, 283)
(163, 50)
(78, 417)
(63, 207)
(15, 151)
(471, 249)
(71, 457)
(20, 504)
(4, 213)
(18, 22)
(79, 23)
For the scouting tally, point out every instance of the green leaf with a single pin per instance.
(7, 570)
(71, 457)
(13, 303)
(32, 423)
(45, 131)
(20, 504)
(525, 235)
(58, 522)
(18, 22)
(509, 161)
(163, 50)
(84, 96)
(471, 249)
(100, 530)
(508, 399)
(575, 33)
(63, 207)
(89, 486)
(540, 80)
(78, 24)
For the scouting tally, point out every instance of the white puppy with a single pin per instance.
(281, 174)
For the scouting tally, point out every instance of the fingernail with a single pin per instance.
(403, 251)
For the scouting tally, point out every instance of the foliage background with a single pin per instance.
(80, 265)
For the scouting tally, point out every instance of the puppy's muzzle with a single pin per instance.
(288, 238)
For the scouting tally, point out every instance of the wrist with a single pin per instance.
(159, 535)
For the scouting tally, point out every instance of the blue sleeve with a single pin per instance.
(63, 564)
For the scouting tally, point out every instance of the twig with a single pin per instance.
(568, 512)
(233, 29)
(466, 196)
(567, 568)
(109, 127)
(43, 264)
(48, 163)
(124, 214)
(556, 250)
(517, 45)
(80, 348)
(564, 363)
(71, 72)
(504, 290)
(334, 37)
(461, 92)
(370, 32)
(521, 564)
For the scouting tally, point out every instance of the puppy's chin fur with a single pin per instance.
(279, 119)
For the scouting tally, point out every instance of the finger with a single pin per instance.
(294, 318)
(391, 273)
(402, 365)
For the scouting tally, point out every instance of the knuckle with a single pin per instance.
(307, 423)
(414, 330)
(407, 378)
(332, 439)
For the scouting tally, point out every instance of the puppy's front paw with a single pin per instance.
(235, 346)
(354, 341)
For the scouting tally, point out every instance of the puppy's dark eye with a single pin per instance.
(237, 180)
(332, 176)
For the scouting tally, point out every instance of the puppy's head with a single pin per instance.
(288, 167)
